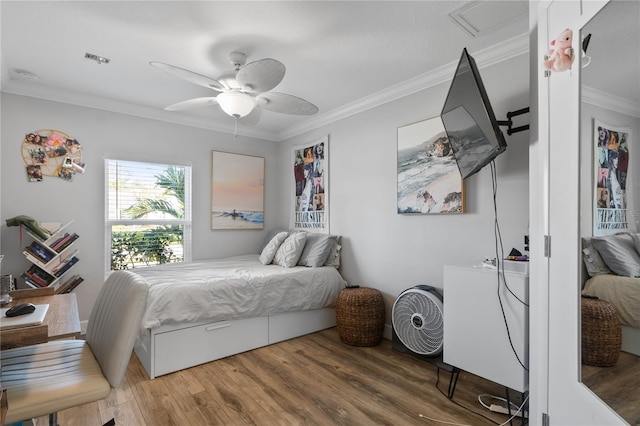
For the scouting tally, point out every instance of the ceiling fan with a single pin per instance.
(243, 92)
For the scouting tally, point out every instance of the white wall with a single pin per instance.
(382, 249)
(102, 133)
(393, 252)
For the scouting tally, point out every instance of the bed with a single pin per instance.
(206, 310)
(613, 264)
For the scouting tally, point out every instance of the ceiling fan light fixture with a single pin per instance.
(236, 104)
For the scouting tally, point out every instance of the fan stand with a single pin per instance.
(437, 361)
(453, 378)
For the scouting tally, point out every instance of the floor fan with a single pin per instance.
(417, 320)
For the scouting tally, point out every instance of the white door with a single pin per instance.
(568, 401)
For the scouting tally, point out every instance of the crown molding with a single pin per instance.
(17, 87)
(484, 58)
(614, 103)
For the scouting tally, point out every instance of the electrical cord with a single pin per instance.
(500, 265)
(498, 398)
(524, 402)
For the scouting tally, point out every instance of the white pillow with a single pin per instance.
(290, 250)
(592, 259)
(636, 241)
(619, 253)
(316, 249)
(334, 255)
(269, 251)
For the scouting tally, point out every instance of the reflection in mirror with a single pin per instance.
(610, 204)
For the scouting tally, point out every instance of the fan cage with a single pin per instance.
(417, 319)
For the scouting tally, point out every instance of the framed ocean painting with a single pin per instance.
(429, 181)
(237, 191)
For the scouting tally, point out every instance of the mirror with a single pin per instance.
(610, 194)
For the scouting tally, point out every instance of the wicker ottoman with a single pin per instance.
(601, 333)
(360, 316)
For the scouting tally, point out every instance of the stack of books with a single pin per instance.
(37, 276)
(40, 252)
(63, 242)
(70, 284)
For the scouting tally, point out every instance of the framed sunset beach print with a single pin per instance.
(237, 191)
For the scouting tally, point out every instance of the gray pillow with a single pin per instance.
(592, 259)
(290, 250)
(619, 253)
(316, 249)
(636, 241)
(269, 251)
(334, 254)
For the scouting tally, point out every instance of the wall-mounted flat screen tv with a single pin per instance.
(474, 133)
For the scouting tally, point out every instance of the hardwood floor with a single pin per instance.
(617, 386)
(310, 380)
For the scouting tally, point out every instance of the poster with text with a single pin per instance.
(611, 178)
(311, 187)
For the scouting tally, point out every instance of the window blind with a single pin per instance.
(148, 214)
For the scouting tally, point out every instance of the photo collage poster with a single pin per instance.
(612, 168)
(310, 177)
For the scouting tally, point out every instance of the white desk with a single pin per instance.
(475, 336)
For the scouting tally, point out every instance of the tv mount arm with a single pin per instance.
(508, 122)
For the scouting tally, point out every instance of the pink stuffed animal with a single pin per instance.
(560, 56)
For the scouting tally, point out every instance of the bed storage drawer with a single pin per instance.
(189, 346)
(293, 324)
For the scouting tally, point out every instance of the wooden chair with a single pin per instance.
(49, 377)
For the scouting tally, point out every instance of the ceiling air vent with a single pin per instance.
(98, 59)
(480, 17)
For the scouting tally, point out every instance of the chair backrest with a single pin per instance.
(115, 322)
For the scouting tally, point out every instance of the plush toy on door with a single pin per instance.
(560, 56)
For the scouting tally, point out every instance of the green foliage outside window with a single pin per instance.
(147, 244)
(144, 248)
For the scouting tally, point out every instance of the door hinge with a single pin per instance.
(547, 246)
(547, 73)
(545, 419)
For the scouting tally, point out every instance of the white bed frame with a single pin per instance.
(631, 340)
(176, 347)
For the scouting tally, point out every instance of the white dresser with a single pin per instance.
(475, 335)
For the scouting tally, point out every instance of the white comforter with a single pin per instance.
(233, 288)
(621, 292)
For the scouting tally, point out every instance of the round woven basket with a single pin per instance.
(601, 333)
(360, 316)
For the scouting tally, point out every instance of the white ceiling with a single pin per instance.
(343, 56)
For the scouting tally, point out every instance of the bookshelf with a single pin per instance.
(52, 255)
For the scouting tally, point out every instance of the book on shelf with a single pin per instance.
(64, 242)
(64, 266)
(70, 285)
(50, 227)
(33, 281)
(40, 252)
(59, 241)
(40, 234)
(37, 276)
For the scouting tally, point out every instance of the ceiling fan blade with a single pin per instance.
(253, 118)
(189, 76)
(192, 103)
(261, 76)
(286, 104)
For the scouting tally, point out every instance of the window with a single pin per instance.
(148, 214)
